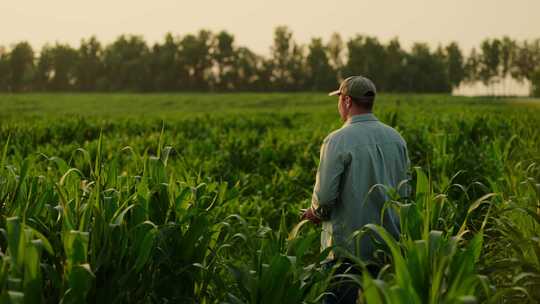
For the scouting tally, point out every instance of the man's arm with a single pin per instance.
(326, 190)
(405, 188)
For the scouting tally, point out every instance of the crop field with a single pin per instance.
(195, 198)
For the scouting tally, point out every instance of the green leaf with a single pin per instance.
(16, 243)
(145, 249)
(76, 247)
(4, 154)
(32, 273)
(119, 217)
(15, 297)
(370, 292)
(45, 244)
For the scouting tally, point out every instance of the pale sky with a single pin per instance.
(252, 21)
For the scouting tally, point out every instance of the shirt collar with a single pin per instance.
(361, 118)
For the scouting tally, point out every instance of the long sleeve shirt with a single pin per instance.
(357, 162)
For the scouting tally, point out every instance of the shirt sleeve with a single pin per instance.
(326, 190)
(405, 188)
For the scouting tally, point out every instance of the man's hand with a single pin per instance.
(310, 215)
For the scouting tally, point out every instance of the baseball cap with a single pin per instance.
(358, 87)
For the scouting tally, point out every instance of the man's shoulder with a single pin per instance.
(335, 136)
(376, 132)
(353, 134)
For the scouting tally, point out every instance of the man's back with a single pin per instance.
(354, 159)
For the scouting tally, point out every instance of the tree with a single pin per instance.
(127, 66)
(507, 53)
(165, 65)
(297, 66)
(426, 71)
(247, 66)
(367, 57)
(472, 66)
(196, 60)
(90, 68)
(320, 74)
(21, 67)
(535, 83)
(57, 68)
(265, 76)
(455, 64)
(4, 70)
(526, 63)
(395, 61)
(335, 54)
(490, 60)
(43, 72)
(281, 56)
(225, 56)
(287, 61)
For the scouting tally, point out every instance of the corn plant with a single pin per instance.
(198, 207)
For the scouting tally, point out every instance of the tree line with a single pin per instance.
(207, 61)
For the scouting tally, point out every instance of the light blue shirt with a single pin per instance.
(361, 154)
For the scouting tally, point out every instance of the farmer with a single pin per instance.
(354, 159)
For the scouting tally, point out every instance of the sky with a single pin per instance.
(253, 21)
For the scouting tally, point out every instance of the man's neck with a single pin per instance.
(354, 112)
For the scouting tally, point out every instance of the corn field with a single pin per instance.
(196, 199)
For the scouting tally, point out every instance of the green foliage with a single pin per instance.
(203, 206)
(455, 64)
(320, 74)
(89, 72)
(21, 67)
(366, 55)
(535, 80)
(526, 60)
(127, 59)
(56, 68)
(490, 60)
(208, 61)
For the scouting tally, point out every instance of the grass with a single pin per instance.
(174, 105)
(195, 197)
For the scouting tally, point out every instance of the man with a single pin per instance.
(355, 159)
